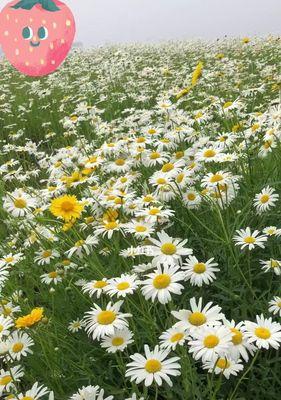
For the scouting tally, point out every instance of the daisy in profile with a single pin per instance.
(271, 265)
(245, 238)
(36, 392)
(265, 200)
(100, 322)
(82, 246)
(19, 345)
(95, 288)
(7, 378)
(263, 333)
(167, 250)
(153, 367)
(118, 341)
(66, 207)
(208, 343)
(240, 345)
(275, 306)
(272, 231)
(198, 316)
(76, 325)
(90, 393)
(18, 203)
(5, 324)
(162, 282)
(200, 272)
(108, 228)
(122, 286)
(173, 337)
(225, 366)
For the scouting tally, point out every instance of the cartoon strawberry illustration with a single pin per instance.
(36, 36)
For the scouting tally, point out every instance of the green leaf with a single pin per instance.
(48, 5)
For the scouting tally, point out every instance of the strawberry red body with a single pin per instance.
(36, 40)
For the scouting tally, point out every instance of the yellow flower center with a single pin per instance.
(264, 198)
(151, 131)
(179, 154)
(46, 253)
(148, 199)
(154, 211)
(161, 281)
(211, 341)
(152, 366)
(222, 363)
(161, 181)
(209, 153)
(120, 162)
(249, 239)
(117, 341)
(106, 317)
(53, 275)
(216, 178)
(262, 333)
(123, 286)
(17, 347)
(9, 259)
(274, 263)
(179, 178)
(5, 380)
(168, 167)
(227, 104)
(111, 225)
(197, 318)
(140, 228)
(1, 328)
(168, 249)
(100, 284)
(155, 155)
(79, 243)
(199, 268)
(191, 196)
(237, 338)
(20, 203)
(279, 304)
(177, 337)
(27, 398)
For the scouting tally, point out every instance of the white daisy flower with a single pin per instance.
(82, 246)
(271, 265)
(272, 231)
(198, 316)
(122, 286)
(19, 345)
(45, 256)
(240, 345)
(18, 203)
(209, 343)
(173, 337)
(275, 306)
(7, 378)
(167, 250)
(162, 282)
(245, 238)
(118, 341)
(90, 393)
(265, 200)
(100, 322)
(36, 392)
(76, 325)
(51, 277)
(5, 324)
(264, 333)
(154, 366)
(95, 288)
(200, 272)
(225, 366)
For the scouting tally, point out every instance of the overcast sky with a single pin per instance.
(111, 21)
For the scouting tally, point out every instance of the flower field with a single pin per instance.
(140, 224)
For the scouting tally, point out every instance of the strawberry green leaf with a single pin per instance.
(48, 5)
